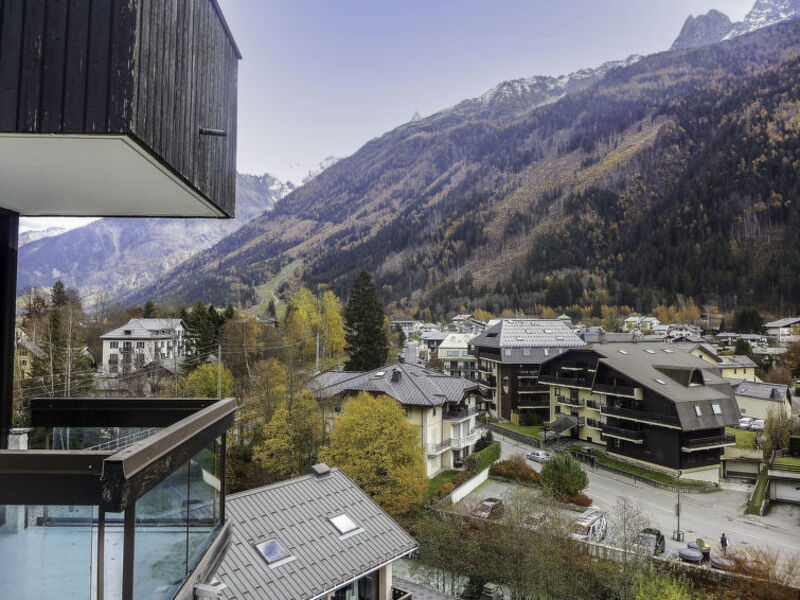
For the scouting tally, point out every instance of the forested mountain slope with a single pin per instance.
(678, 173)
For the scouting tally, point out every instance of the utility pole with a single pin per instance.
(219, 371)
(316, 362)
(246, 361)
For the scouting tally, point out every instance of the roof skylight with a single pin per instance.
(622, 351)
(649, 350)
(715, 408)
(661, 381)
(274, 552)
(697, 411)
(343, 524)
(668, 350)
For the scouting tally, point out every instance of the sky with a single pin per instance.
(320, 78)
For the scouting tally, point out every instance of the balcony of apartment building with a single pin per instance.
(487, 381)
(115, 498)
(527, 385)
(595, 423)
(458, 412)
(699, 443)
(620, 408)
(571, 399)
(433, 449)
(613, 388)
(594, 404)
(465, 440)
(635, 436)
(533, 402)
(567, 379)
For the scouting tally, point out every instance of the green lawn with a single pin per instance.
(789, 461)
(754, 508)
(744, 439)
(531, 430)
(643, 472)
(437, 482)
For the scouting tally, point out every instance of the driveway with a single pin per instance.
(703, 515)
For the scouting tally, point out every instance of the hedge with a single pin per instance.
(485, 458)
(794, 445)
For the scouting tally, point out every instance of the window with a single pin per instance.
(434, 411)
(345, 525)
(508, 351)
(273, 552)
(452, 353)
(547, 351)
(140, 345)
(113, 345)
(716, 409)
(622, 351)
(526, 352)
(697, 411)
(126, 332)
(661, 381)
(743, 410)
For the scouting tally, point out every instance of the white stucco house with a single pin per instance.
(141, 342)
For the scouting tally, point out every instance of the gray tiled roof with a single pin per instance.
(296, 513)
(736, 360)
(415, 386)
(666, 371)
(528, 341)
(419, 591)
(787, 322)
(759, 389)
(144, 329)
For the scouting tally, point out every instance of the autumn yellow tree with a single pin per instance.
(291, 439)
(373, 442)
(482, 315)
(202, 382)
(331, 326)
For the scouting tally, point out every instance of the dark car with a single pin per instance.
(489, 508)
(651, 540)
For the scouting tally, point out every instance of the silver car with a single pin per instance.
(539, 456)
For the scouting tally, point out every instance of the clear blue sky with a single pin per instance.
(322, 77)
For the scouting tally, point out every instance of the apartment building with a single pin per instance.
(466, 323)
(455, 356)
(142, 342)
(443, 407)
(732, 366)
(651, 404)
(314, 537)
(123, 109)
(509, 354)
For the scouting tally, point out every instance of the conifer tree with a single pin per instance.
(149, 310)
(367, 344)
(58, 295)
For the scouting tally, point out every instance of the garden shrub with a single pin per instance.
(579, 499)
(515, 468)
(446, 489)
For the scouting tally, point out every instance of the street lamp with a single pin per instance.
(678, 534)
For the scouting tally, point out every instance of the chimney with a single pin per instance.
(319, 469)
(396, 375)
(401, 358)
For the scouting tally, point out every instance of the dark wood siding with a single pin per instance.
(186, 81)
(157, 70)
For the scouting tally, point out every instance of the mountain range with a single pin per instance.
(715, 26)
(628, 183)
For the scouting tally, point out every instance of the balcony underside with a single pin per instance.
(92, 175)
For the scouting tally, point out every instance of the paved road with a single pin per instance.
(703, 515)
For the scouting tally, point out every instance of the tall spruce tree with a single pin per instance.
(367, 345)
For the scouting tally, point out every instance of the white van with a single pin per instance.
(590, 525)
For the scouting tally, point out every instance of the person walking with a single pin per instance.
(723, 541)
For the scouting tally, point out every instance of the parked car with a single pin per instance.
(652, 541)
(745, 422)
(757, 425)
(489, 508)
(539, 456)
(590, 525)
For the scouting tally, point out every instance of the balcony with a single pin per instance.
(485, 369)
(128, 501)
(571, 401)
(707, 443)
(432, 450)
(618, 390)
(532, 388)
(464, 441)
(533, 402)
(594, 423)
(581, 421)
(576, 382)
(593, 404)
(643, 416)
(630, 435)
(452, 414)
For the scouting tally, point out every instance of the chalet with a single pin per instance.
(732, 366)
(313, 537)
(509, 354)
(650, 404)
(466, 323)
(123, 109)
(758, 399)
(784, 331)
(443, 407)
(455, 356)
(639, 323)
(142, 342)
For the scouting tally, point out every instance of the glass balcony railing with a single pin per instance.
(120, 498)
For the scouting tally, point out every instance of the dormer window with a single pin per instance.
(126, 331)
(698, 411)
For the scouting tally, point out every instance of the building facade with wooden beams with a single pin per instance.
(122, 108)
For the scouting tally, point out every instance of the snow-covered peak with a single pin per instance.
(323, 165)
(765, 13)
